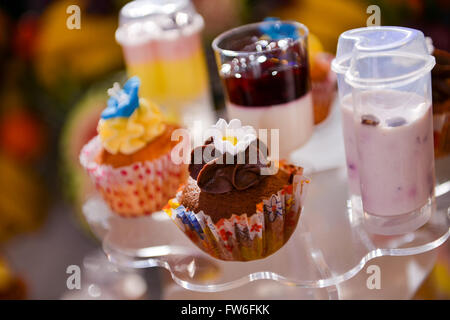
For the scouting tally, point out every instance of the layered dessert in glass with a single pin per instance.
(161, 42)
(265, 75)
(441, 102)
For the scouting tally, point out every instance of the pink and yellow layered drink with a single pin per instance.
(162, 46)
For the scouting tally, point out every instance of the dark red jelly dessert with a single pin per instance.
(276, 73)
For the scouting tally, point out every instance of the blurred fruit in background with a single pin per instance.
(23, 149)
(65, 58)
(440, 82)
(25, 36)
(79, 128)
(4, 40)
(11, 286)
(23, 198)
(326, 19)
(3, 31)
(323, 83)
(222, 15)
(323, 80)
(431, 17)
(38, 52)
(22, 135)
(217, 21)
(314, 47)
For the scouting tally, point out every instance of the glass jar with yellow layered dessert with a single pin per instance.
(161, 42)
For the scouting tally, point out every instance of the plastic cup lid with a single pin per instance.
(141, 20)
(360, 51)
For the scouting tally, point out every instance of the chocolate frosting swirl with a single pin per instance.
(220, 173)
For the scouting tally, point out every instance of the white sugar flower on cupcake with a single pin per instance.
(232, 137)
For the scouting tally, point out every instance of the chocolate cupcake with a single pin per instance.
(238, 205)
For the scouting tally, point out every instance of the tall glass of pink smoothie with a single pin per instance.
(351, 151)
(388, 71)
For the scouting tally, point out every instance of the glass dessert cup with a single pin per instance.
(398, 195)
(265, 76)
(385, 93)
(161, 42)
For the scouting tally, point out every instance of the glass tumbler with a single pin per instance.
(389, 73)
(265, 76)
(162, 45)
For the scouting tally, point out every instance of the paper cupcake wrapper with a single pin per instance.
(135, 190)
(243, 238)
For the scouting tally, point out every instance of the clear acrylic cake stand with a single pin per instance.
(329, 246)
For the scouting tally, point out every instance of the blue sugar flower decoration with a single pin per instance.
(280, 30)
(122, 102)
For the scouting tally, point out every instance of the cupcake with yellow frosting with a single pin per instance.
(130, 159)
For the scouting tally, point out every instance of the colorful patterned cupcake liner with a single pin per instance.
(135, 190)
(240, 237)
